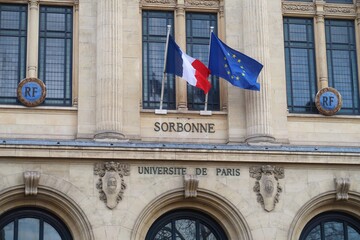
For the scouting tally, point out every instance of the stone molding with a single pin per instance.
(267, 186)
(342, 186)
(191, 183)
(111, 184)
(31, 180)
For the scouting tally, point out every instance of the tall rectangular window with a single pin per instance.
(300, 65)
(13, 27)
(55, 53)
(197, 45)
(154, 24)
(341, 62)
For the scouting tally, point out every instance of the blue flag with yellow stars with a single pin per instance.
(237, 68)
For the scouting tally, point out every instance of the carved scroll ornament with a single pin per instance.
(342, 186)
(267, 186)
(111, 183)
(191, 183)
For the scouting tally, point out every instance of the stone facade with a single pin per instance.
(50, 156)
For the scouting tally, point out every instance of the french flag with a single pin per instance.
(186, 67)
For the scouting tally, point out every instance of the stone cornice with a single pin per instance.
(147, 152)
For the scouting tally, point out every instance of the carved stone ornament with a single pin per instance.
(31, 180)
(340, 10)
(267, 186)
(297, 7)
(111, 183)
(159, 3)
(202, 3)
(342, 186)
(191, 183)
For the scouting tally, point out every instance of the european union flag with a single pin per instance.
(235, 67)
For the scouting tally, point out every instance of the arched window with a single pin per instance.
(185, 225)
(332, 226)
(32, 224)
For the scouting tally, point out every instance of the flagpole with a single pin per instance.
(160, 110)
(206, 112)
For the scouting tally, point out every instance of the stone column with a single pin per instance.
(256, 45)
(33, 39)
(109, 77)
(181, 41)
(320, 43)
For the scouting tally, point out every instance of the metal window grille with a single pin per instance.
(13, 31)
(300, 65)
(55, 53)
(342, 64)
(197, 46)
(154, 30)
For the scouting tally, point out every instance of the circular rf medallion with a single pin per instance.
(328, 101)
(31, 92)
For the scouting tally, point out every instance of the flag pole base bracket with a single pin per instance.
(161, 111)
(205, 113)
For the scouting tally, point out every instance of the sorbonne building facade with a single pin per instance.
(94, 158)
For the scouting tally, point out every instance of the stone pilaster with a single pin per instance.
(109, 79)
(181, 40)
(256, 45)
(33, 39)
(221, 33)
(321, 45)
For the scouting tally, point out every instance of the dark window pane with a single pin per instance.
(7, 233)
(300, 65)
(342, 64)
(334, 231)
(339, 1)
(315, 234)
(197, 45)
(12, 50)
(154, 41)
(185, 229)
(353, 234)
(50, 232)
(29, 229)
(55, 54)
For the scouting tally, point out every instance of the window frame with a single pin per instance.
(331, 216)
(188, 214)
(170, 81)
(74, 53)
(42, 215)
(191, 41)
(310, 46)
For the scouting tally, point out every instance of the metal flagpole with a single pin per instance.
(160, 110)
(206, 112)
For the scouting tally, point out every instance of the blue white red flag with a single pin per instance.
(190, 69)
